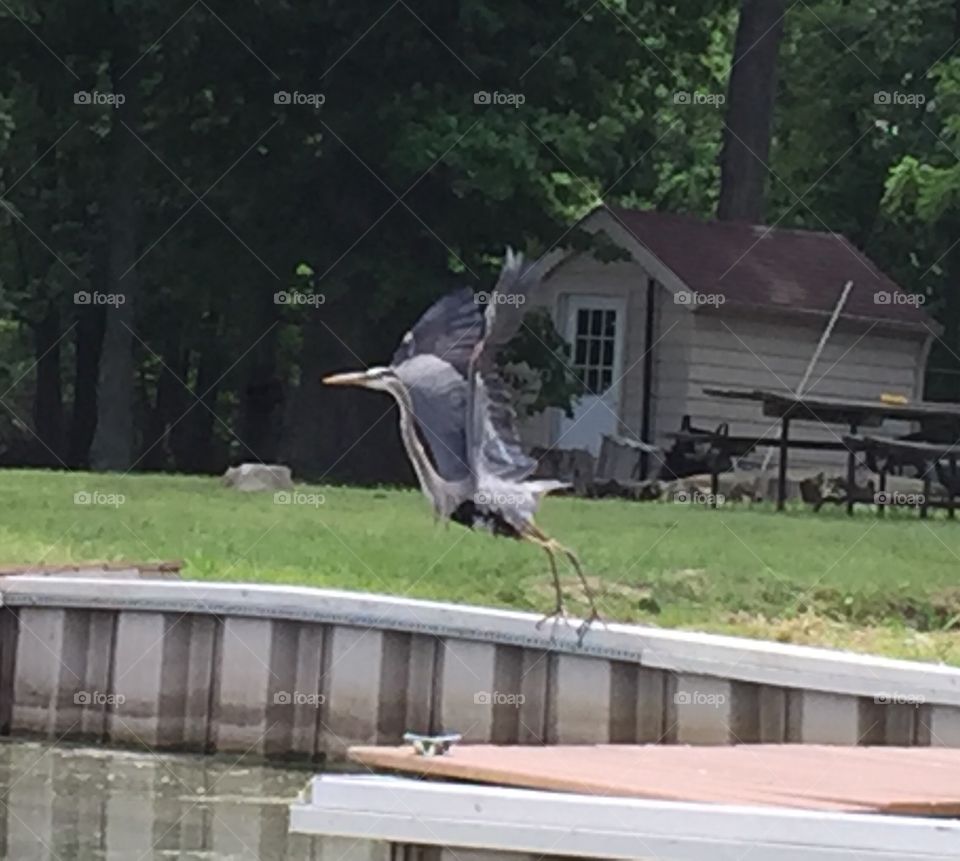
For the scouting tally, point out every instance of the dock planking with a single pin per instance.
(906, 781)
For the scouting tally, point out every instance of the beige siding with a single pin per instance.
(697, 350)
(735, 351)
(673, 353)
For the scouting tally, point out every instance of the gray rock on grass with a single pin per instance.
(250, 477)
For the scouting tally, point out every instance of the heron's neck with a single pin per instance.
(430, 481)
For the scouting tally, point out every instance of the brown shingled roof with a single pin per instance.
(799, 270)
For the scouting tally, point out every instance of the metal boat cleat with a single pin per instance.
(431, 745)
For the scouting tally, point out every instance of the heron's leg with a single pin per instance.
(559, 611)
(587, 591)
(566, 551)
(537, 536)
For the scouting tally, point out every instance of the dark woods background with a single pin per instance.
(208, 191)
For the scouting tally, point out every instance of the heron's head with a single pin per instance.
(372, 378)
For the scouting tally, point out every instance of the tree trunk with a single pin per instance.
(262, 395)
(113, 442)
(168, 406)
(750, 101)
(47, 398)
(194, 436)
(87, 343)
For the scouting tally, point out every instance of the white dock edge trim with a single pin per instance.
(402, 810)
(735, 658)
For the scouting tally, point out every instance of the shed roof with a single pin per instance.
(780, 268)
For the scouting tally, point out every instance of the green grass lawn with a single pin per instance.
(890, 586)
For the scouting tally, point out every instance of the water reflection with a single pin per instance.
(72, 804)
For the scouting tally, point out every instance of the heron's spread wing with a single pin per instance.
(493, 439)
(449, 330)
(439, 396)
(461, 403)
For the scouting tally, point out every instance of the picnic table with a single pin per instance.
(938, 421)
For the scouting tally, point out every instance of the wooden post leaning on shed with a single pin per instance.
(806, 377)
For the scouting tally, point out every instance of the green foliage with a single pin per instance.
(539, 348)
(403, 182)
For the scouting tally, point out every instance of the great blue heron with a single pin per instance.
(457, 421)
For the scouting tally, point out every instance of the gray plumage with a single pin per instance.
(462, 405)
(457, 419)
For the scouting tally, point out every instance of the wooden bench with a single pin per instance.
(881, 450)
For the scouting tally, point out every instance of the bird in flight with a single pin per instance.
(458, 424)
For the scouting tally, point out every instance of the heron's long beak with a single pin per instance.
(353, 378)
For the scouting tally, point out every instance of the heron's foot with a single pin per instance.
(558, 615)
(586, 624)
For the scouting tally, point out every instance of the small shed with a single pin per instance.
(703, 304)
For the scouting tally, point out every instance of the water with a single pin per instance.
(66, 803)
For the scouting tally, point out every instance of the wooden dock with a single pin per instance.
(911, 781)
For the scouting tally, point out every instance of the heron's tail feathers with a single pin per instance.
(516, 276)
(541, 487)
(504, 315)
